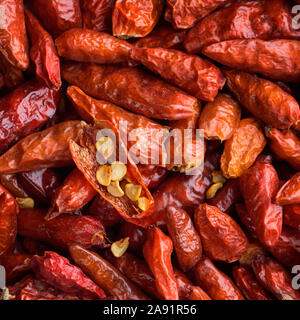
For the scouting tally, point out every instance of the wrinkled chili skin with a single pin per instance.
(274, 278)
(13, 43)
(135, 18)
(276, 59)
(183, 14)
(242, 149)
(157, 252)
(137, 235)
(8, 221)
(220, 118)
(51, 149)
(72, 195)
(58, 16)
(62, 231)
(259, 186)
(247, 283)
(186, 240)
(12, 76)
(132, 89)
(221, 236)
(106, 276)
(43, 52)
(289, 193)
(291, 216)
(57, 271)
(152, 175)
(25, 110)
(85, 45)
(218, 285)
(285, 145)
(243, 20)
(264, 99)
(227, 197)
(197, 76)
(96, 14)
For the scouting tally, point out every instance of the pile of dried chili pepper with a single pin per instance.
(100, 199)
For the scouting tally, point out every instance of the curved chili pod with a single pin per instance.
(8, 221)
(57, 271)
(86, 160)
(43, 52)
(244, 20)
(289, 193)
(58, 16)
(157, 252)
(12, 76)
(92, 46)
(25, 110)
(62, 231)
(264, 99)
(259, 186)
(220, 118)
(276, 59)
(105, 275)
(162, 36)
(186, 240)
(221, 236)
(193, 74)
(13, 39)
(218, 285)
(96, 14)
(132, 89)
(274, 278)
(183, 14)
(72, 195)
(44, 149)
(291, 216)
(247, 283)
(242, 149)
(135, 18)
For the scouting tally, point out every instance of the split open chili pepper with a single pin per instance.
(289, 193)
(132, 89)
(157, 252)
(62, 231)
(114, 283)
(135, 18)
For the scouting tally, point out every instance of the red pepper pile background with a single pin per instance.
(231, 68)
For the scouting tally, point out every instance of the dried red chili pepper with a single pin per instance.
(137, 235)
(264, 99)
(62, 231)
(218, 285)
(132, 89)
(58, 16)
(157, 252)
(183, 14)
(186, 240)
(274, 278)
(152, 175)
(198, 294)
(12, 76)
(290, 191)
(43, 52)
(57, 271)
(244, 20)
(162, 36)
(13, 43)
(25, 110)
(193, 74)
(247, 283)
(291, 216)
(12, 184)
(259, 186)
(135, 18)
(276, 59)
(44, 149)
(34, 247)
(220, 118)
(8, 221)
(221, 236)
(242, 149)
(92, 46)
(105, 275)
(96, 14)
(285, 145)
(72, 195)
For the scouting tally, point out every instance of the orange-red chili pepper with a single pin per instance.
(289, 193)
(291, 215)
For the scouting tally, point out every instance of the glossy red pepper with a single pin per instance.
(291, 216)
(137, 235)
(152, 175)
(289, 193)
